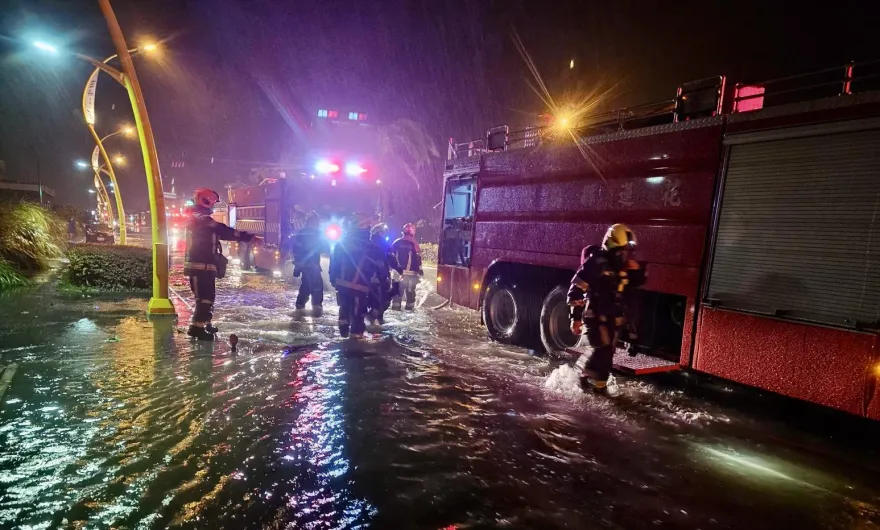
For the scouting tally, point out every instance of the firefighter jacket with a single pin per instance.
(355, 262)
(308, 245)
(390, 256)
(408, 254)
(202, 236)
(605, 280)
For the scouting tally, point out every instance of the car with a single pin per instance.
(99, 233)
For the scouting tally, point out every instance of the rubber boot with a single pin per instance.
(343, 330)
(200, 333)
(317, 310)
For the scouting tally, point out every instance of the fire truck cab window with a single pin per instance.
(458, 219)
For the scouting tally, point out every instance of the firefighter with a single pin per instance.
(598, 297)
(308, 245)
(354, 262)
(382, 293)
(203, 256)
(409, 258)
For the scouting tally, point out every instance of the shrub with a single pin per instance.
(429, 252)
(31, 236)
(114, 268)
(9, 276)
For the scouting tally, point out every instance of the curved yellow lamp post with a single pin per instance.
(159, 304)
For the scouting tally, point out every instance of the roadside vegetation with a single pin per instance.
(108, 268)
(30, 238)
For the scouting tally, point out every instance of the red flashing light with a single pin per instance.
(332, 114)
(333, 232)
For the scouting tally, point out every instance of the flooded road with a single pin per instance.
(113, 421)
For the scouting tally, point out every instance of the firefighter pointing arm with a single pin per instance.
(204, 261)
(598, 298)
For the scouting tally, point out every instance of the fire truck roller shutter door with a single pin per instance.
(798, 233)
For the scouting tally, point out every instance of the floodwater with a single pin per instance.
(113, 421)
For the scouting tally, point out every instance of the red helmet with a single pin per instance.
(206, 198)
(409, 229)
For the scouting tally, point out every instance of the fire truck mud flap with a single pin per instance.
(632, 365)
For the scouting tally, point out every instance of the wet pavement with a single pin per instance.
(114, 421)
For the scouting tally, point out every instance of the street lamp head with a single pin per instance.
(129, 130)
(46, 47)
(82, 164)
(119, 160)
(92, 191)
(150, 47)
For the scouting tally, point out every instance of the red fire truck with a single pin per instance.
(336, 176)
(275, 209)
(755, 208)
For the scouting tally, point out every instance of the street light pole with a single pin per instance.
(88, 108)
(160, 302)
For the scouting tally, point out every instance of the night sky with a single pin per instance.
(237, 78)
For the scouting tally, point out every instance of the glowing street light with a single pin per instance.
(119, 160)
(82, 164)
(46, 47)
(149, 47)
(571, 65)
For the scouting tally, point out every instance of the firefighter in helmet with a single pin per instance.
(598, 297)
(382, 293)
(409, 258)
(204, 261)
(308, 245)
(355, 261)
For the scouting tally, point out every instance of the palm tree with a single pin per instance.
(406, 145)
(411, 164)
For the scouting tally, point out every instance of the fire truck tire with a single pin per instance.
(509, 311)
(556, 335)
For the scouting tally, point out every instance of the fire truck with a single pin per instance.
(276, 209)
(336, 176)
(755, 207)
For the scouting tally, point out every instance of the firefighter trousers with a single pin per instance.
(204, 291)
(378, 300)
(312, 286)
(603, 333)
(408, 285)
(352, 311)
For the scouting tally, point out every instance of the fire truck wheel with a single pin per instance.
(507, 312)
(556, 334)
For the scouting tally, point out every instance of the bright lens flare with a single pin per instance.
(151, 47)
(325, 166)
(333, 232)
(46, 47)
(354, 169)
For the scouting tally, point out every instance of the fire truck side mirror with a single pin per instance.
(497, 138)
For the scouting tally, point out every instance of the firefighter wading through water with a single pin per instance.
(204, 259)
(355, 261)
(308, 245)
(408, 254)
(381, 293)
(598, 298)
